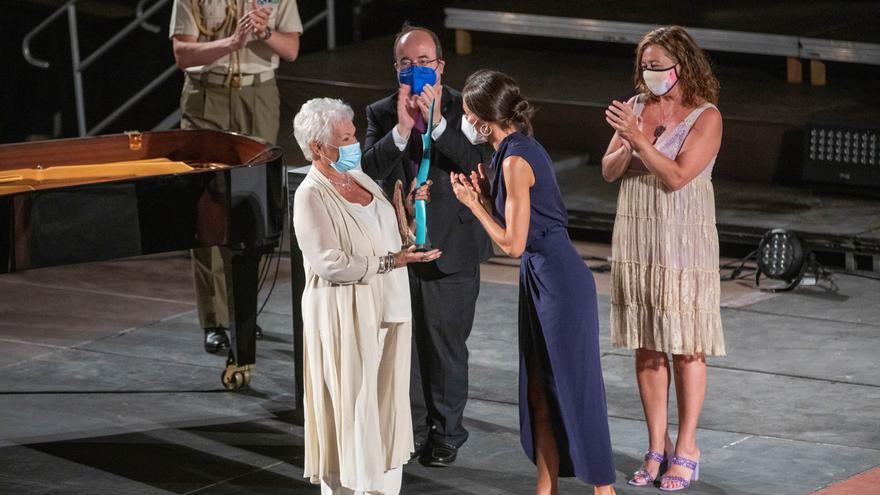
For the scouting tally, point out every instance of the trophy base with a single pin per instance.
(423, 248)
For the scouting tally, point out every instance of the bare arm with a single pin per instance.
(699, 147)
(286, 45)
(617, 158)
(189, 52)
(518, 180)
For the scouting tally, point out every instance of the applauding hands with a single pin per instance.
(472, 191)
(621, 118)
(410, 105)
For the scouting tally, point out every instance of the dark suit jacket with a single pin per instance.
(451, 226)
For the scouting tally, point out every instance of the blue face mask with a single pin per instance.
(416, 77)
(349, 157)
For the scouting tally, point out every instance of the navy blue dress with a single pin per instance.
(558, 324)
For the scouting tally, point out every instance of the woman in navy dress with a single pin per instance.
(563, 417)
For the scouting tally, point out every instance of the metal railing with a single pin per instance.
(79, 65)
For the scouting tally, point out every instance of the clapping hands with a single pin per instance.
(621, 118)
(430, 94)
(410, 105)
(252, 23)
(473, 190)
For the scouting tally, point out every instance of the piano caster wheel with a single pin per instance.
(236, 377)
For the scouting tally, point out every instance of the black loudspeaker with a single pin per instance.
(840, 154)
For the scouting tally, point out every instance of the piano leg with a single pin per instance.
(241, 288)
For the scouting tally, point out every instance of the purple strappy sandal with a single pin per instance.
(642, 477)
(694, 466)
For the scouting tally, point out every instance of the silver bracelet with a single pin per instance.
(387, 263)
(392, 261)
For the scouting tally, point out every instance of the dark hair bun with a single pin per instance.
(523, 110)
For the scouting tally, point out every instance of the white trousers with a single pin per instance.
(390, 486)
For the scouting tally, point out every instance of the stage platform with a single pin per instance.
(106, 390)
(821, 31)
(758, 172)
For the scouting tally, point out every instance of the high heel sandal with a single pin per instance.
(683, 483)
(642, 477)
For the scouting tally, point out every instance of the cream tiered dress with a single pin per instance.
(665, 278)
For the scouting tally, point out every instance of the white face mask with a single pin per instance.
(660, 81)
(470, 132)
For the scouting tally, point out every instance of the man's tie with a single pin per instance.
(415, 141)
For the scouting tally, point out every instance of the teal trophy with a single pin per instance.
(421, 178)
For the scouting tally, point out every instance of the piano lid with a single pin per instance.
(61, 163)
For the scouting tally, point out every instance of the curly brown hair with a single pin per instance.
(695, 74)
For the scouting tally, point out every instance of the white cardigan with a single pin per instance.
(338, 249)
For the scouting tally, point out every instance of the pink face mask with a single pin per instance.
(660, 81)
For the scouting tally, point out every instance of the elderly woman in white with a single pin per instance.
(356, 312)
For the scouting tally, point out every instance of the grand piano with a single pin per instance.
(91, 199)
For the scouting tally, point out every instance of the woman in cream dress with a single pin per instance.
(665, 281)
(356, 313)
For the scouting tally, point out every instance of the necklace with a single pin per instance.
(661, 127)
(347, 184)
(658, 131)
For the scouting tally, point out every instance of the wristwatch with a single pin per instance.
(266, 34)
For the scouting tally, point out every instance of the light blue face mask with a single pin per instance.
(349, 157)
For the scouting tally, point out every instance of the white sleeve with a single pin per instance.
(321, 247)
(438, 130)
(399, 140)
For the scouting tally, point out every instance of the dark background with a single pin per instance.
(32, 97)
(39, 104)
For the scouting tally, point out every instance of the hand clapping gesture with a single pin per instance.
(472, 191)
(252, 23)
(621, 118)
(258, 19)
(407, 109)
(429, 94)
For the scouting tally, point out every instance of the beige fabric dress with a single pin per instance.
(665, 279)
(356, 336)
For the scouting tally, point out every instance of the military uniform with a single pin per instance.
(236, 92)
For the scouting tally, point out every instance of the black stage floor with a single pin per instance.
(106, 390)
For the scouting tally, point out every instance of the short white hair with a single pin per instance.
(316, 119)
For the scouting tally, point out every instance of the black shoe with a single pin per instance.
(418, 450)
(258, 332)
(216, 340)
(439, 455)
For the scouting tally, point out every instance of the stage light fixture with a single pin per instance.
(842, 154)
(781, 256)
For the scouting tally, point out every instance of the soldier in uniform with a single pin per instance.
(229, 50)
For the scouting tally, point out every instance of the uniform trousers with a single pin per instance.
(251, 110)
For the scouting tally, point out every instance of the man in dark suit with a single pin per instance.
(444, 292)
